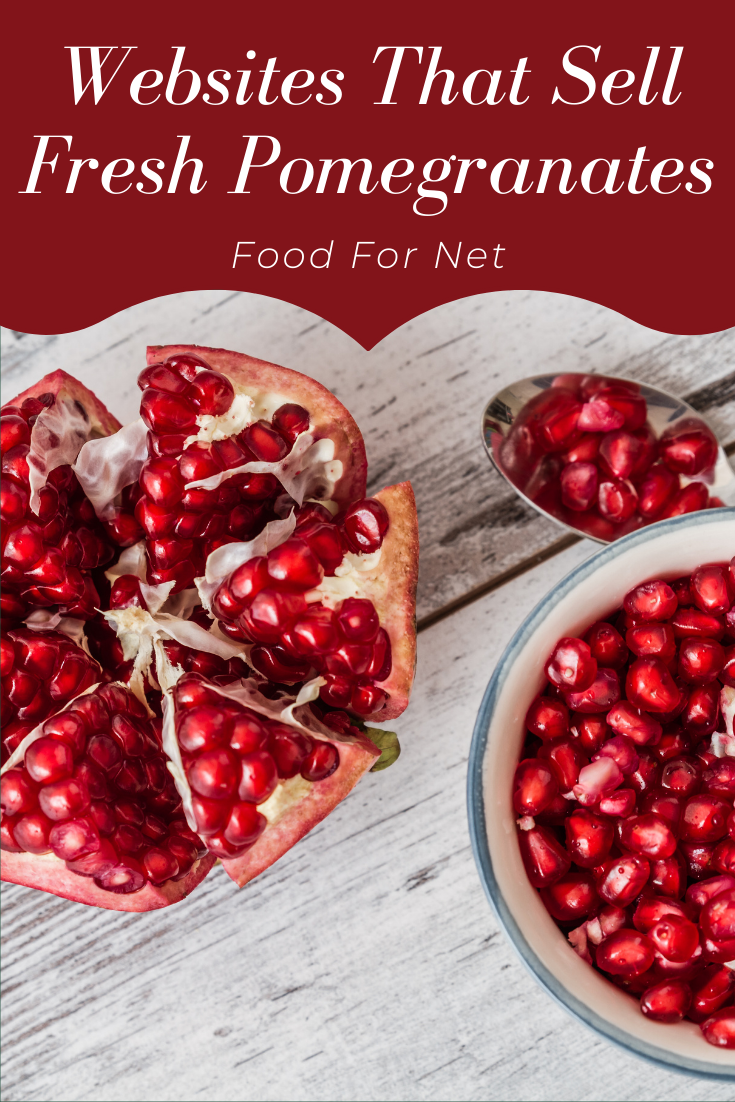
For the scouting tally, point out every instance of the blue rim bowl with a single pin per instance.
(589, 592)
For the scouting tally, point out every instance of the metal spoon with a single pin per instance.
(664, 410)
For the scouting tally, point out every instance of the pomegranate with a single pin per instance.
(146, 732)
(626, 809)
(583, 450)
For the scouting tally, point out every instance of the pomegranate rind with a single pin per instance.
(328, 416)
(62, 385)
(49, 874)
(393, 593)
(321, 799)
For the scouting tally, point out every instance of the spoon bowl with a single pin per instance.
(664, 411)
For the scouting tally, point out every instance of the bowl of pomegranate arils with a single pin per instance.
(603, 455)
(202, 616)
(601, 789)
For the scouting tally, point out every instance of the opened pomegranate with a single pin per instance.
(243, 608)
(583, 451)
(625, 797)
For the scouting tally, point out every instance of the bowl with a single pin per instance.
(670, 548)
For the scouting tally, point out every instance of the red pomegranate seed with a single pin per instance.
(600, 696)
(548, 718)
(616, 500)
(663, 803)
(202, 728)
(590, 731)
(337, 692)
(690, 499)
(248, 733)
(712, 589)
(633, 723)
(619, 453)
(248, 580)
(723, 858)
(719, 778)
(700, 659)
(290, 420)
(682, 776)
(17, 792)
(535, 786)
(606, 646)
(210, 392)
(159, 865)
(689, 447)
(647, 834)
(717, 917)
(321, 762)
(214, 774)
(364, 526)
(617, 804)
(358, 620)
(566, 760)
(198, 461)
(48, 760)
(669, 876)
(571, 665)
(620, 879)
(652, 639)
(572, 898)
(711, 991)
(588, 838)
(245, 824)
(656, 490)
(596, 780)
(258, 777)
(625, 953)
(579, 485)
(122, 878)
(599, 416)
(622, 751)
(675, 937)
(556, 423)
(667, 1002)
(316, 631)
(271, 613)
(704, 818)
(31, 832)
(719, 1028)
(651, 601)
(161, 481)
(74, 838)
(545, 859)
(650, 686)
(701, 709)
(160, 377)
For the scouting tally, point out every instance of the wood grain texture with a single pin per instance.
(418, 396)
(366, 964)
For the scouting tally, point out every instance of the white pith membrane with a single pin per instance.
(57, 437)
(104, 467)
(44, 619)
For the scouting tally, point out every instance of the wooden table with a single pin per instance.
(367, 963)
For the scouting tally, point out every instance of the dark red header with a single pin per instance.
(372, 170)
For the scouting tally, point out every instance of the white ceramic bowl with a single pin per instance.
(668, 549)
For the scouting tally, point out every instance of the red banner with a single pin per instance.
(369, 163)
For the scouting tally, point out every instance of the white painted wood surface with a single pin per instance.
(366, 964)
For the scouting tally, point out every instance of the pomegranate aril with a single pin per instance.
(545, 859)
(220, 847)
(719, 1028)
(704, 819)
(652, 639)
(690, 499)
(717, 917)
(48, 760)
(579, 485)
(74, 838)
(650, 686)
(682, 776)
(164, 412)
(633, 723)
(590, 731)
(600, 696)
(711, 991)
(159, 865)
(337, 692)
(214, 774)
(289, 750)
(618, 804)
(271, 612)
(667, 1001)
(669, 876)
(321, 762)
(290, 420)
(244, 825)
(656, 490)
(571, 898)
(566, 759)
(700, 660)
(648, 834)
(723, 857)
(364, 526)
(664, 804)
(689, 447)
(571, 665)
(620, 879)
(701, 708)
(588, 838)
(17, 792)
(712, 589)
(31, 832)
(185, 853)
(625, 953)
(211, 392)
(534, 786)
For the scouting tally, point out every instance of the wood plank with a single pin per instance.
(365, 965)
(417, 396)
